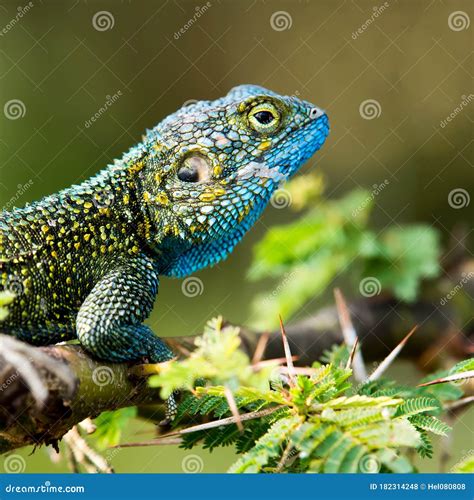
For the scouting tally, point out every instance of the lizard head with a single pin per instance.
(212, 167)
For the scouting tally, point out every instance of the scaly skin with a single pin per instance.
(85, 262)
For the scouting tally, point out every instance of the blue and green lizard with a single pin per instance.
(85, 263)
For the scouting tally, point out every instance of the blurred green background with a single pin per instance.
(64, 60)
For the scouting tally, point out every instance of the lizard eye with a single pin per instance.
(264, 118)
(194, 169)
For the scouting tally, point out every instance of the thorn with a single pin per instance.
(173, 437)
(260, 348)
(271, 362)
(233, 408)
(454, 405)
(288, 356)
(160, 441)
(450, 378)
(224, 421)
(299, 370)
(351, 355)
(390, 358)
(350, 336)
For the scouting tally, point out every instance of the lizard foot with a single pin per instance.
(171, 411)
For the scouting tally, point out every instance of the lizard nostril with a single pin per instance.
(315, 113)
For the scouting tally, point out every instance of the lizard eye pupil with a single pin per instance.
(264, 117)
(188, 174)
(194, 169)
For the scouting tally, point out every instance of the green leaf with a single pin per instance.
(110, 425)
(429, 423)
(267, 447)
(413, 406)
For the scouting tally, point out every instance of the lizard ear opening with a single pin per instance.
(194, 169)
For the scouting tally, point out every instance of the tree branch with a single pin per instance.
(99, 386)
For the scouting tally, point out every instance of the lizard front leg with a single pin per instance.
(109, 322)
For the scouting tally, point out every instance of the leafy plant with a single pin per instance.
(305, 256)
(282, 418)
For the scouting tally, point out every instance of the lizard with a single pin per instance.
(85, 263)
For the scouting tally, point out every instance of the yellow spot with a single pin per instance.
(264, 145)
(146, 196)
(207, 197)
(126, 199)
(45, 228)
(88, 204)
(158, 177)
(219, 192)
(77, 245)
(217, 170)
(135, 249)
(162, 199)
(135, 168)
(87, 236)
(68, 280)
